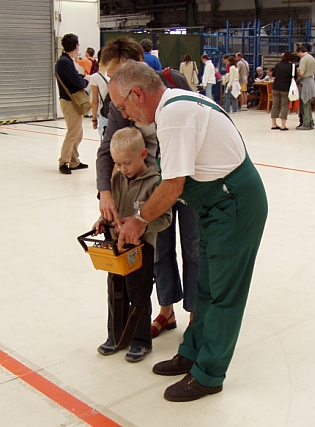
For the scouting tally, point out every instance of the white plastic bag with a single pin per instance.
(293, 91)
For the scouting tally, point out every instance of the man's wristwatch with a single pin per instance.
(139, 217)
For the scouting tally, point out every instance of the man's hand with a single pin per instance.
(130, 232)
(158, 203)
(108, 207)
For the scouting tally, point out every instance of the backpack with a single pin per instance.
(173, 76)
(95, 66)
(167, 74)
(104, 110)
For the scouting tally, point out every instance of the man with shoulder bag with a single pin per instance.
(70, 82)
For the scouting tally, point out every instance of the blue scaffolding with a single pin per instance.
(256, 41)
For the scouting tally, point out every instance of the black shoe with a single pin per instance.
(80, 166)
(64, 170)
(176, 366)
(189, 389)
(107, 348)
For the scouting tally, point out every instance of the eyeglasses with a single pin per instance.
(121, 105)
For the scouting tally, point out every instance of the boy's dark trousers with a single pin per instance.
(129, 304)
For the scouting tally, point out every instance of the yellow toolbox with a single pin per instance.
(105, 255)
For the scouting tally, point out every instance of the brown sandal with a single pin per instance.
(163, 324)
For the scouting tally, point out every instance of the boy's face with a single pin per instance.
(129, 163)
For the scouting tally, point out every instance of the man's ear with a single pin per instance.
(138, 96)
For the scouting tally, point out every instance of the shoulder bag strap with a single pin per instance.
(100, 95)
(293, 70)
(99, 88)
(63, 85)
(103, 78)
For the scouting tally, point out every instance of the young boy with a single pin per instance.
(132, 185)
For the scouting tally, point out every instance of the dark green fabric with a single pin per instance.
(232, 214)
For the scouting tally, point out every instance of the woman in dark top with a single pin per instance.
(280, 90)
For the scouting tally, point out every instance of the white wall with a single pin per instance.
(80, 17)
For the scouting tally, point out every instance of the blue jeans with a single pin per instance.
(168, 282)
(228, 96)
(209, 90)
(102, 122)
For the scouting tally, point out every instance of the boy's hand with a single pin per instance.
(99, 226)
(108, 207)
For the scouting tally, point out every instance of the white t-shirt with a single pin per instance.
(97, 80)
(208, 74)
(196, 140)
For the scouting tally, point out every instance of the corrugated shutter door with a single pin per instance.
(26, 64)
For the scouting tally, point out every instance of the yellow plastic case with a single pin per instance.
(105, 255)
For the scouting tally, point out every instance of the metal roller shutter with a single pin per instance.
(26, 60)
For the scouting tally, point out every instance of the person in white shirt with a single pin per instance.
(208, 78)
(233, 88)
(98, 83)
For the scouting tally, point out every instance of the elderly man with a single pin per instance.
(211, 171)
(306, 73)
(243, 69)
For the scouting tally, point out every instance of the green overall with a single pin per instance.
(232, 214)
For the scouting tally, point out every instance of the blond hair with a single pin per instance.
(127, 139)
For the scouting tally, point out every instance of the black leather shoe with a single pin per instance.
(177, 366)
(80, 166)
(64, 170)
(189, 389)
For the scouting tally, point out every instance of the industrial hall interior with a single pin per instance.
(194, 303)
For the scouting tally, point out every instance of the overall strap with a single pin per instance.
(198, 101)
(202, 101)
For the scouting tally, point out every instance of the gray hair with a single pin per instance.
(147, 45)
(136, 74)
(127, 139)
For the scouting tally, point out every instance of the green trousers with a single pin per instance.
(232, 214)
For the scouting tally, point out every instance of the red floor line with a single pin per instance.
(283, 167)
(97, 140)
(47, 133)
(56, 394)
